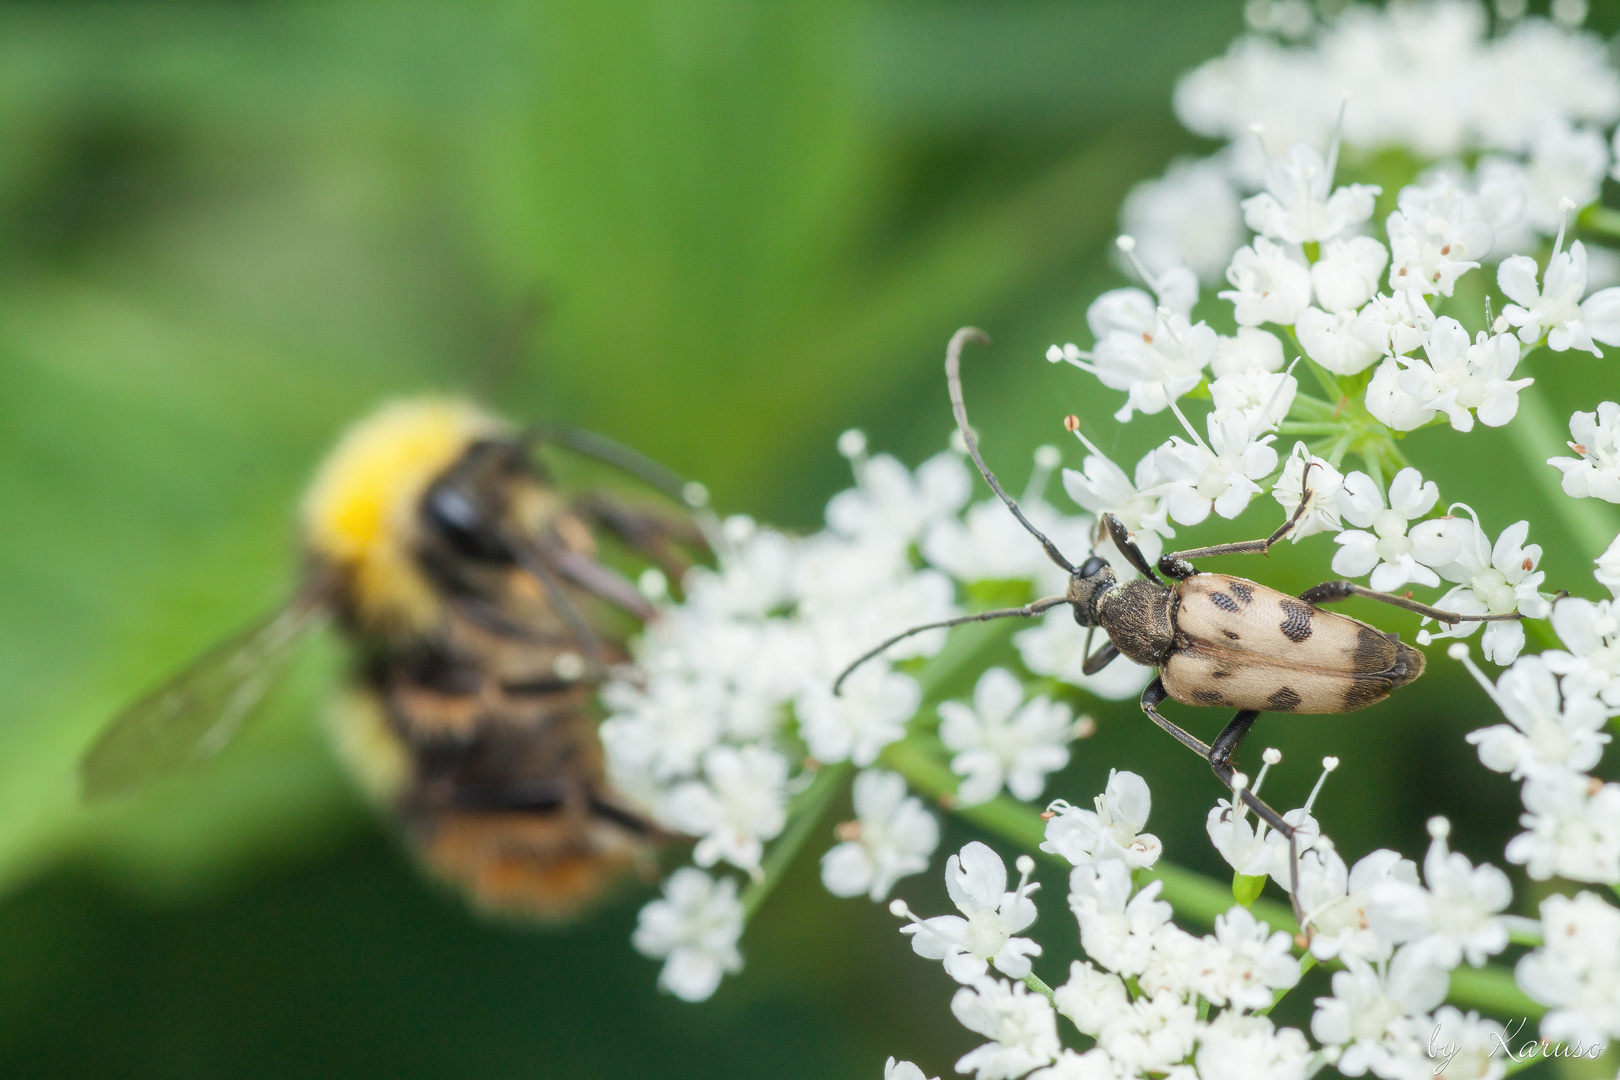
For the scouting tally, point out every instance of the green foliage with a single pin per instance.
(224, 233)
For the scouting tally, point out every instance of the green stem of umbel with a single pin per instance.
(1033, 981)
(807, 810)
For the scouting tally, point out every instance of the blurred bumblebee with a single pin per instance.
(471, 590)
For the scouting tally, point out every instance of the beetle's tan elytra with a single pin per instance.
(1246, 646)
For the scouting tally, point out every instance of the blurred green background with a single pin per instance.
(717, 230)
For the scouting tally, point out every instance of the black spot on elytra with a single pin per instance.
(1222, 601)
(1230, 634)
(1373, 652)
(1242, 590)
(1296, 624)
(1285, 700)
(1206, 696)
(1361, 693)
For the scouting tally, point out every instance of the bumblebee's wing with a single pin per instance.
(196, 712)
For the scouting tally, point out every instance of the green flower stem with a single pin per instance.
(1202, 898)
(1306, 962)
(1537, 434)
(1525, 935)
(1375, 469)
(1312, 408)
(1335, 457)
(1291, 427)
(1033, 981)
(804, 814)
(1324, 378)
(1493, 990)
(1396, 455)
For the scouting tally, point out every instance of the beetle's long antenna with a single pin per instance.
(953, 379)
(1029, 610)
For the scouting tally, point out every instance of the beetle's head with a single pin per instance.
(1086, 587)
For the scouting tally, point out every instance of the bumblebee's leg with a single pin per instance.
(654, 534)
(577, 625)
(544, 797)
(1099, 659)
(602, 581)
(625, 819)
(1220, 760)
(1330, 592)
(616, 454)
(1127, 547)
(1176, 564)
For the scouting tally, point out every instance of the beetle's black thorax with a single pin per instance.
(1140, 619)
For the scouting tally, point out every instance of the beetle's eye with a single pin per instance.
(1094, 565)
(458, 517)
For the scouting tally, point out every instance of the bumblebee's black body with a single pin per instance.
(481, 620)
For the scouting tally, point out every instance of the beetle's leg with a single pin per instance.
(1226, 743)
(1127, 547)
(1220, 759)
(1221, 763)
(1333, 591)
(1151, 698)
(1099, 659)
(1262, 810)
(1176, 564)
(1266, 814)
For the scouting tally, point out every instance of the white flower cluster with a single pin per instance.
(1158, 1001)
(1531, 105)
(1557, 705)
(1147, 991)
(1395, 938)
(1528, 109)
(1594, 471)
(729, 716)
(729, 710)
(1309, 273)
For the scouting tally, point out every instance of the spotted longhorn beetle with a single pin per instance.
(1216, 640)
